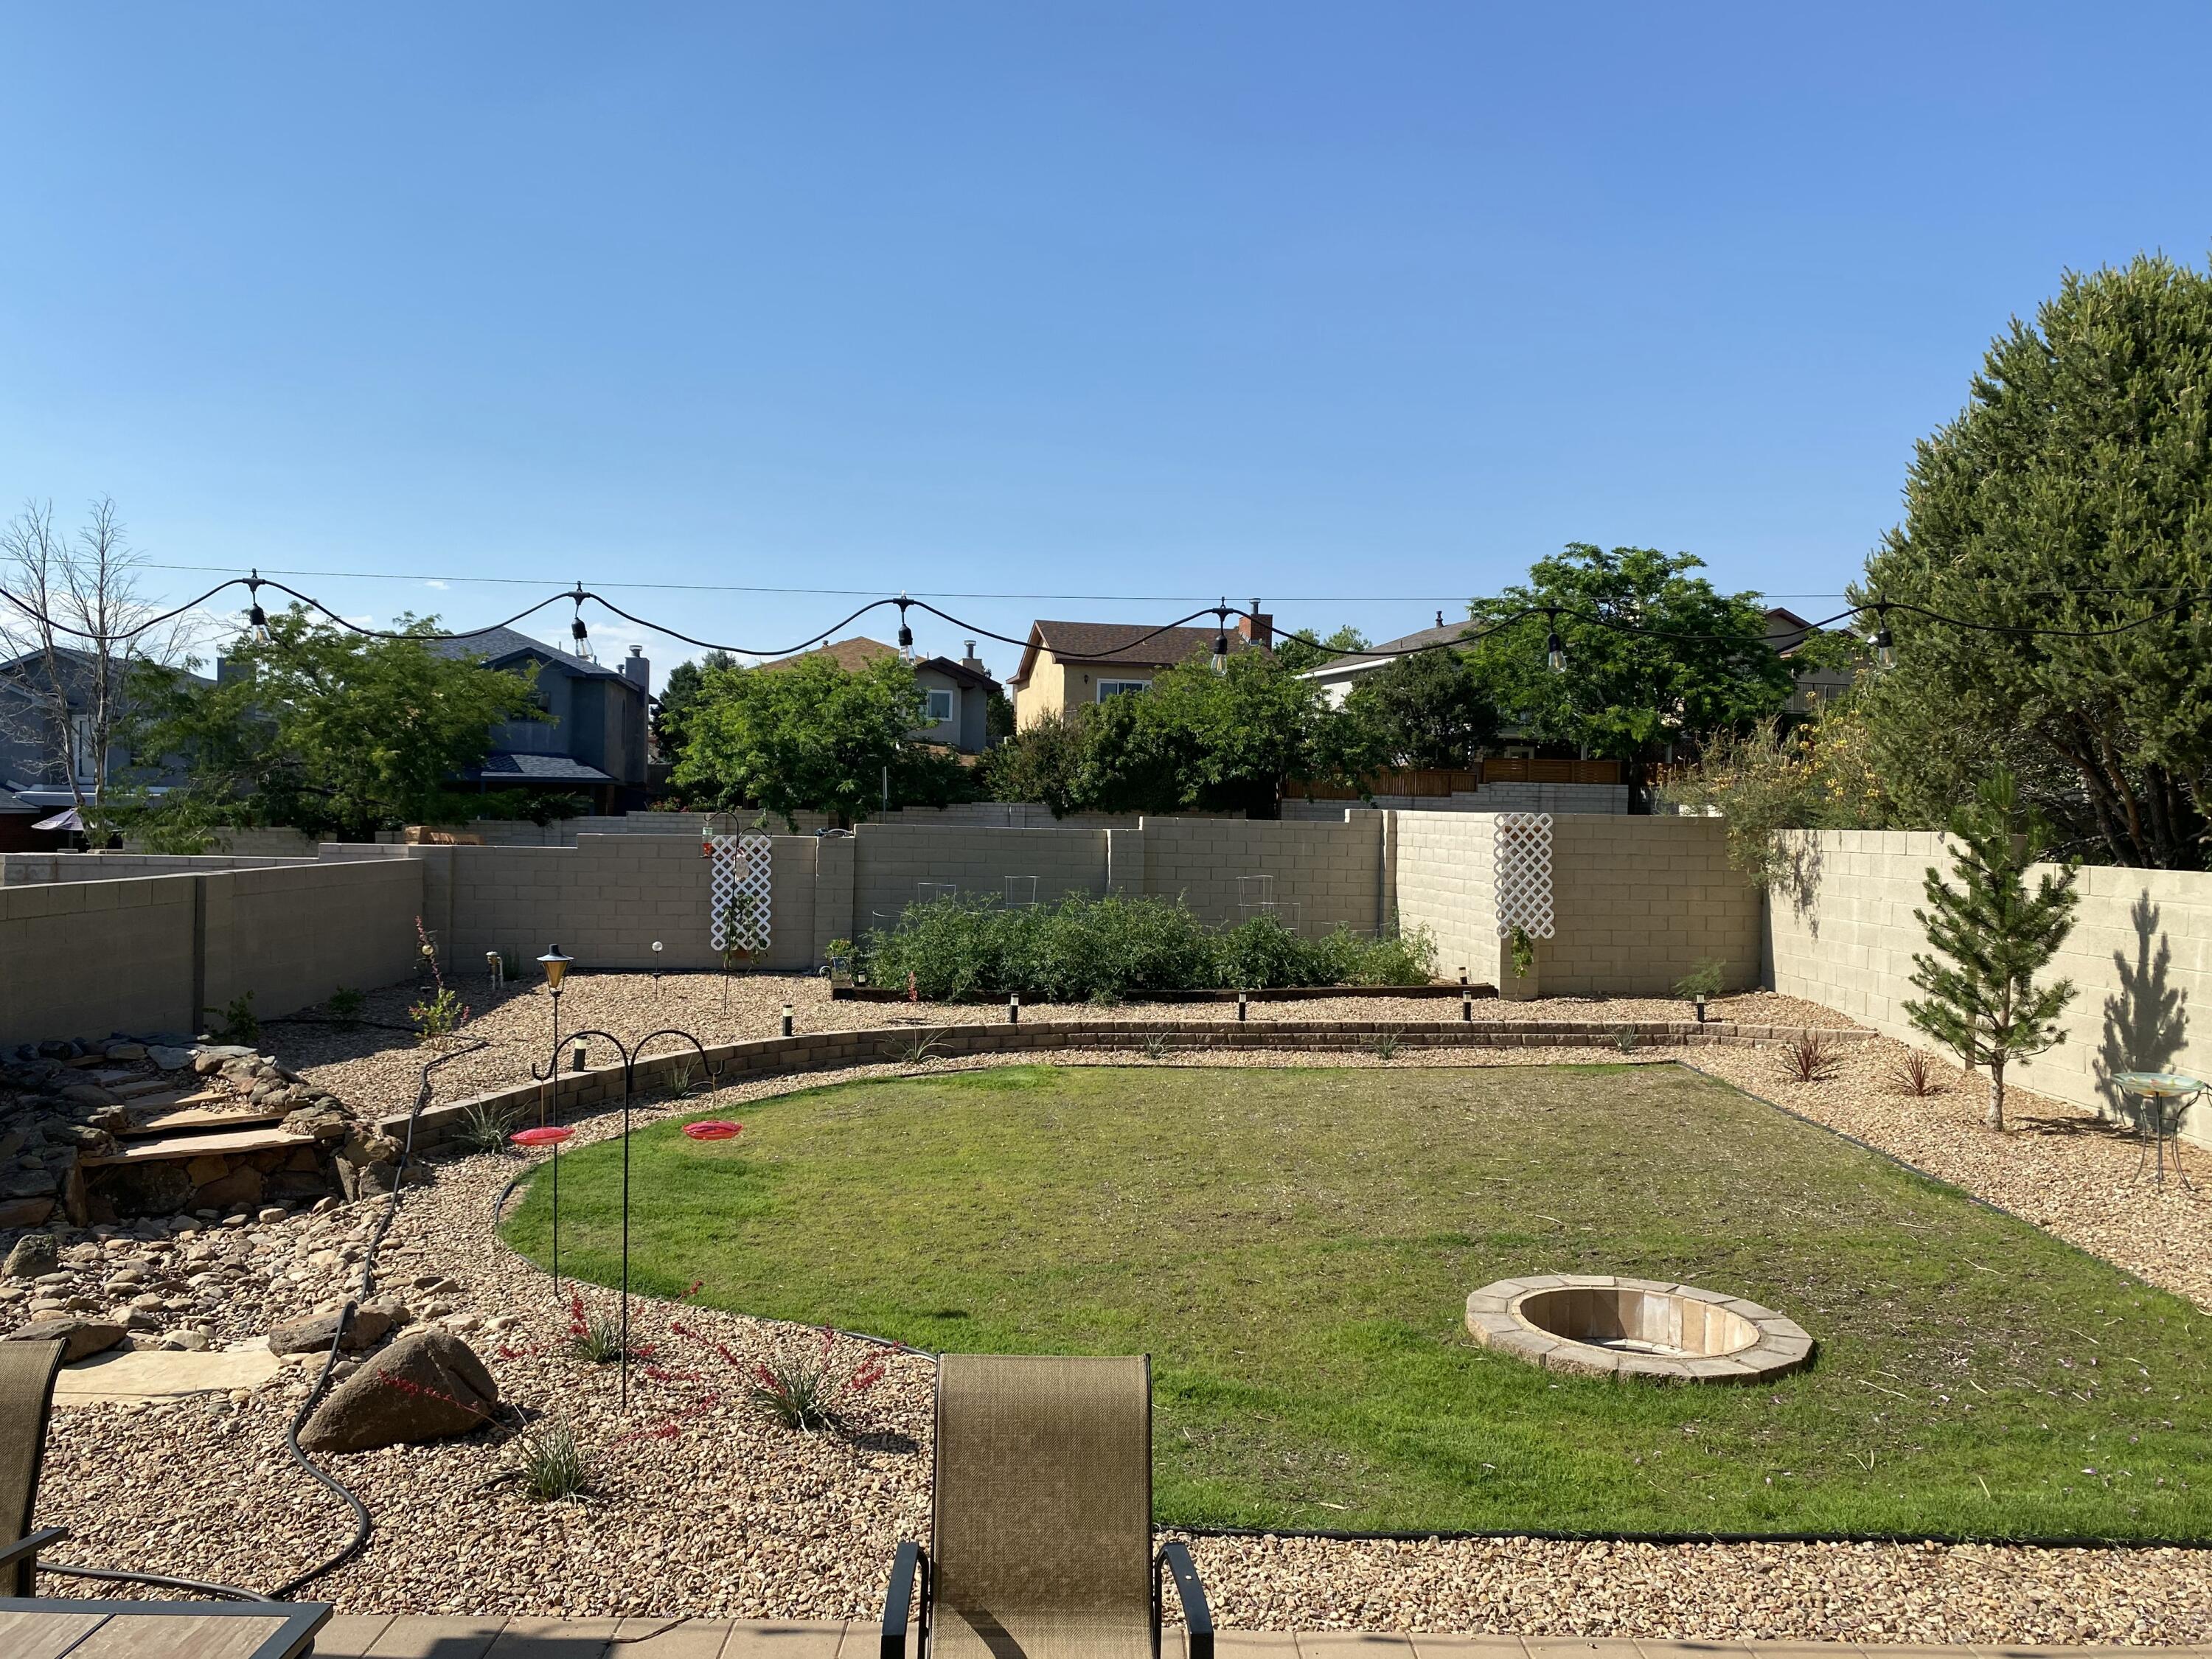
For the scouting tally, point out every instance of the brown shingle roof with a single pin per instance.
(854, 654)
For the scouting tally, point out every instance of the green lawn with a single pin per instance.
(1294, 1248)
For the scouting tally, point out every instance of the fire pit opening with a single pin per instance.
(1596, 1325)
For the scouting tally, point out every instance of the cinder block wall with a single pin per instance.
(1639, 901)
(890, 860)
(605, 901)
(1334, 872)
(291, 934)
(1445, 882)
(1840, 931)
(17, 869)
(85, 959)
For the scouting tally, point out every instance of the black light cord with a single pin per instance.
(1553, 613)
(362, 1523)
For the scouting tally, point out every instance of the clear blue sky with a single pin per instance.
(1363, 302)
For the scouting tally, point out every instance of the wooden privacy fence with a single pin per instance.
(1429, 782)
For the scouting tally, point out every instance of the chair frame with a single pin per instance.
(19, 1559)
(911, 1569)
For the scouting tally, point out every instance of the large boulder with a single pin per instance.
(34, 1253)
(84, 1337)
(25, 1212)
(427, 1387)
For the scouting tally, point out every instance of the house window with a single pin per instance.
(940, 708)
(1116, 688)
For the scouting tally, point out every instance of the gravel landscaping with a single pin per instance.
(697, 1506)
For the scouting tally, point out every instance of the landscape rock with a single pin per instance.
(170, 1060)
(371, 1325)
(427, 1387)
(34, 1255)
(84, 1337)
(87, 1094)
(25, 1212)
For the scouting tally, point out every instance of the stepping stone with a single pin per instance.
(162, 1373)
(139, 1088)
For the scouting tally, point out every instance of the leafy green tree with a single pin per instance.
(1202, 740)
(806, 736)
(1817, 774)
(1040, 763)
(677, 693)
(2071, 494)
(1298, 656)
(1653, 656)
(1993, 937)
(330, 731)
(1429, 710)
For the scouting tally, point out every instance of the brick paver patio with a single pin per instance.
(377, 1637)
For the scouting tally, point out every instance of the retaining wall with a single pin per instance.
(1840, 931)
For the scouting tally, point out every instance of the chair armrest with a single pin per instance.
(911, 1563)
(30, 1544)
(1197, 1617)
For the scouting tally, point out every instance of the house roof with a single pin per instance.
(502, 767)
(857, 653)
(1381, 655)
(499, 646)
(1135, 644)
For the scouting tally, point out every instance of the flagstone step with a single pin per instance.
(186, 1119)
(229, 1145)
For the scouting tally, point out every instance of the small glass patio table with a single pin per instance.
(40, 1627)
(2165, 1096)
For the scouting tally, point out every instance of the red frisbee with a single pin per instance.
(545, 1135)
(713, 1128)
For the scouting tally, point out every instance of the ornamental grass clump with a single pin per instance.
(809, 1391)
(1099, 950)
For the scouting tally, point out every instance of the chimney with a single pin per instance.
(226, 670)
(637, 670)
(1257, 626)
(971, 660)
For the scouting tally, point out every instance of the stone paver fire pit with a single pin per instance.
(1596, 1325)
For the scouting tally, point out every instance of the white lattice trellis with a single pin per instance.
(1523, 873)
(737, 892)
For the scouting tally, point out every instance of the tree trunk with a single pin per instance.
(1997, 1093)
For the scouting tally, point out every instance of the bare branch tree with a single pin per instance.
(73, 643)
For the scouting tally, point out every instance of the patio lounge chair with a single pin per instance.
(27, 1397)
(1041, 1518)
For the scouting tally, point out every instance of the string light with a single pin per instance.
(1555, 653)
(905, 633)
(1221, 637)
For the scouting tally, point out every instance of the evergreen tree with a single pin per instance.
(1983, 1002)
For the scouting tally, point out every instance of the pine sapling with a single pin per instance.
(1993, 937)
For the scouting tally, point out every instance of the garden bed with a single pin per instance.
(841, 992)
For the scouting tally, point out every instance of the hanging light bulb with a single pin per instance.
(1555, 653)
(1221, 640)
(1885, 649)
(256, 618)
(577, 631)
(905, 634)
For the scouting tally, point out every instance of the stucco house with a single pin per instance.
(1068, 664)
(595, 743)
(37, 758)
(956, 695)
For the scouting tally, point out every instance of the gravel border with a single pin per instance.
(709, 1512)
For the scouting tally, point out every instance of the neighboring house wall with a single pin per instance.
(1056, 685)
(964, 729)
(1840, 931)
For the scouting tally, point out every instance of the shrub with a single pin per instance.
(1916, 1075)
(809, 1390)
(593, 1335)
(1086, 949)
(345, 1006)
(485, 1126)
(438, 1015)
(553, 1464)
(1703, 982)
(239, 1023)
(1807, 1058)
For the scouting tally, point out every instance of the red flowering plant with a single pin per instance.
(813, 1388)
